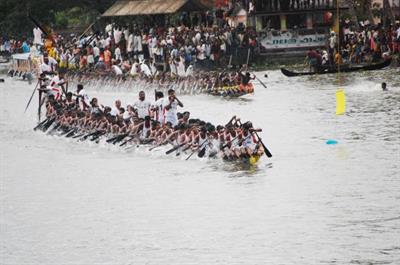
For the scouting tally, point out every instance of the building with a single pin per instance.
(294, 25)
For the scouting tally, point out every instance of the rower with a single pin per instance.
(158, 107)
(116, 109)
(145, 132)
(172, 103)
(46, 68)
(142, 106)
(82, 99)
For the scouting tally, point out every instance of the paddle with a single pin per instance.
(88, 135)
(71, 133)
(97, 136)
(267, 152)
(127, 141)
(40, 124)
(225, 145)
(48, 124)
(261, 82)
(116, 137)
(174, 148)
(160, 144)
(33, 93)
(187, 158)
(202, 151)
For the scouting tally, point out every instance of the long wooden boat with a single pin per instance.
(232, 91)
(344, 68)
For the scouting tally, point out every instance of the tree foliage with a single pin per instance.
(14, 19)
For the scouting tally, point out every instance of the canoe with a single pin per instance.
(232, 91)
(344, 69)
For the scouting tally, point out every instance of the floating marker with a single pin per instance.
(331, 142)
(340, 102)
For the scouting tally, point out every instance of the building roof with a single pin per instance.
(153, 7)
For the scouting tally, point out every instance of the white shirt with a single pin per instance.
(129, 47)
(134, 70)
(144, 68)
(45, 68)
(56, 81)
(96, 51)
(159, 113)
(117, 36)
(181, 69)
(117, 70)
(171, 114)
(137, 43)
(115, 111)
(85, 97)
(53, 63)
(142, 108)
(201, 52)
(37, 36)
(118, 54)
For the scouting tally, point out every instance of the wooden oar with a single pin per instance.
(187, 158)
(119, 139)
(116, 137)
(130, 139)
(259, 80)
(40, 124)
(48, 124)
(202, 151)
(33, 93)
(174, 148)
(160, 144)
(267, 152)
(71, 133)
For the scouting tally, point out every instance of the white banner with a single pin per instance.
(292, 40)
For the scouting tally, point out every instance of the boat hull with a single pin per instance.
(343, 69)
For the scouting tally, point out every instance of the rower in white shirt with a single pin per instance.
(116, 109)
(82, 97)
(158, 107)
(45, 67)
(142, 106)
(171, 105)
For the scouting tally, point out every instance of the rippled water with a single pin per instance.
(64, 202)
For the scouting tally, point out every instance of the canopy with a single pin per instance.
(153, 7)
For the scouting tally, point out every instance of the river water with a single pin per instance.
(64, 202)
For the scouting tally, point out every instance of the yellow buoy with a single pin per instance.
(340, 102)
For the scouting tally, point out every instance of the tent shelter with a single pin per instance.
(156, 7)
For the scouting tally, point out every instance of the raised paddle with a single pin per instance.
(33, 93)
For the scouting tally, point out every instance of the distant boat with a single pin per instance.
(343, 68)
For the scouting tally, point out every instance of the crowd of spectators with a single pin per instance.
(367, 44)
(203, 40)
